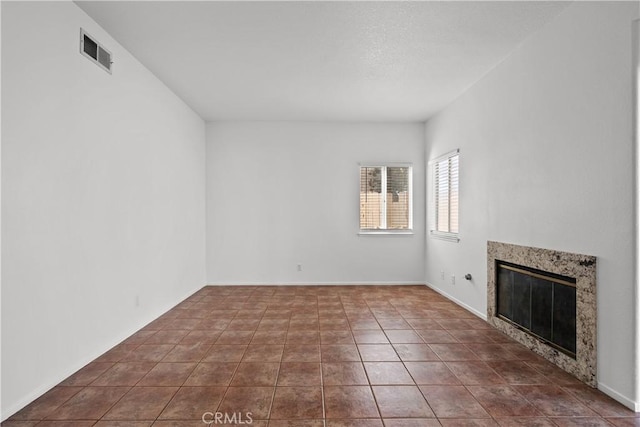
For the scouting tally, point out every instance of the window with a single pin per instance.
(445, 196)
(385, 199)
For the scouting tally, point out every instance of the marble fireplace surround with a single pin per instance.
(583, 269)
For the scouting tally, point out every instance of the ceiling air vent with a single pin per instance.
(93, 50)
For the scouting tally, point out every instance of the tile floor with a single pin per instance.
(374, 356)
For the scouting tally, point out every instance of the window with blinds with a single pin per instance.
(386, 198)
(445, 196)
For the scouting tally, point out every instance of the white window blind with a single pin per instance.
(386, 198)
(445, 196)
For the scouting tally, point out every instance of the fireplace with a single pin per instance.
(540, 303)
(546, 300)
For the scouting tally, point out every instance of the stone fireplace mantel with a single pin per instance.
(580, 267)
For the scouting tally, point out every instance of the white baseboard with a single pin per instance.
(629, 403)
(7, 412)
(397, 283)
(481, 315)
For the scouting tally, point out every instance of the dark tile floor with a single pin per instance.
(343, 356)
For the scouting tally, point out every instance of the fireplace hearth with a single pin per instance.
(546, 300)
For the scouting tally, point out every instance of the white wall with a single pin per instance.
(636, 143)
(102, 198)
(0, 223)
(546, 160)
(281, 194)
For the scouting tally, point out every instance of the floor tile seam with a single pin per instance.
(113, 405)
(234, 371)
(375, 399)
(401, 361)
(53, 410)
(415, 381)
(369, 385)
(232, 375)
(523, 396)
(434, 352)
(273, 397)
(45, 420)
(597, 414)
(324, 407)
(448, 362)
(526, 362)
(376, 319)
(121, 359)
(585, 402)
(148, 361)
(466, 387)
(234, 330)
(517, 384)
(165, 405)
(91, 384)
(489, 415)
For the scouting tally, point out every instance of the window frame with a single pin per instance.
(433, 199)
(384, 166)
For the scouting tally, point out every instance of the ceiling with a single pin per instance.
(307, 60)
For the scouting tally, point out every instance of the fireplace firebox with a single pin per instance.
(540, 303)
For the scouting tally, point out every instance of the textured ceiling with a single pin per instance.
(355, 61)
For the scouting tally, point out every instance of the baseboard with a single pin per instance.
(624, 400)
(8, 412)
(483, 316)
(396, 283)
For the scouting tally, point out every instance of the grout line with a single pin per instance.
(324, 408)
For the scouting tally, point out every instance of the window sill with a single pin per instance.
(448, 237)
(385, 233)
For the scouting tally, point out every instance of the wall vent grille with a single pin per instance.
(94, 51)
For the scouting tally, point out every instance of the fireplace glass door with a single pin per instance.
(540, 303)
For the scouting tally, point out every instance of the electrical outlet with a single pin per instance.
(299, 267)
(442, 275)
(453, 279)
